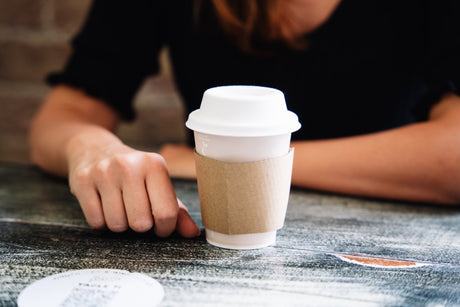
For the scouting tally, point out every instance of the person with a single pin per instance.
(374, 83)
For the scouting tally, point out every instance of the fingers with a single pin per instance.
(162, 197)
(137, 206)
(91, 205)
(114, 209)
(132, 191)
(85, 191)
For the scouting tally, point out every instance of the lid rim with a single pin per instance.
(243, 130)
(236, 110)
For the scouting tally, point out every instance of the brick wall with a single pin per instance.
(34, 40)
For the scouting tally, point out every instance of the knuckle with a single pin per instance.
(117, 227)
(167, 215)
(80, 178)
(141, 225)
(82, 175)
(126, 165)
(97, 224)
(102, 168)
(156, 161)
(123, 162)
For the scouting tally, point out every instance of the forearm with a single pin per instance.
(419, 162)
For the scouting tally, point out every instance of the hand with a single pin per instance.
(119, 187)
(180, 160)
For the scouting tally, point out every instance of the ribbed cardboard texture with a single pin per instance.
(242, 198)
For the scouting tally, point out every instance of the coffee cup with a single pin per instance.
(244, 163)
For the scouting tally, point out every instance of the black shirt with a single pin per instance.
(373, 65)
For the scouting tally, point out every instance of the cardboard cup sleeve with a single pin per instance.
(244, 198)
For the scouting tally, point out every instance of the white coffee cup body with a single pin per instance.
(241, 149)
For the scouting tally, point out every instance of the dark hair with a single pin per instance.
(247, 21)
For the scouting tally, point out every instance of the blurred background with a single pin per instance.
(34, 40)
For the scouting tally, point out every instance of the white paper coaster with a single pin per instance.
(94, 287)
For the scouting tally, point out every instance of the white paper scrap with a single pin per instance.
(93, 287)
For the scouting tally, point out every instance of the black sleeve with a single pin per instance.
(442, 60)
(446, 55)
(115, 50)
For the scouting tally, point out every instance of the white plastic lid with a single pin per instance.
(243, 110)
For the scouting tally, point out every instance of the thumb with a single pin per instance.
(185, 225)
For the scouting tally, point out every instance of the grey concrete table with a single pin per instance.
(333, 250)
